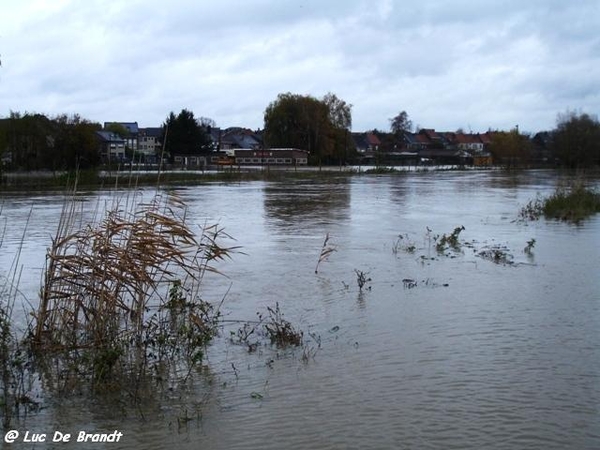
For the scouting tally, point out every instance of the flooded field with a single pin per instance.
(480, 345)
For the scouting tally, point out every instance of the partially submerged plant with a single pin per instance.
(529, 247)
(121, 298)
(361, 278)
(180, 329)
(533, 210)
(281, 332)
(450, 241)
(13, 367)
(325, 252)
(16, 374)
(496, 254)
(572, 203)
(277, 329)
(403, 243)
(248, 330)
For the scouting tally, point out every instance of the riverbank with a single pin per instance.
(128, 178)
(138, 177)
(36, 180)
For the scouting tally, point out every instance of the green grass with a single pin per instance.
(572, 205)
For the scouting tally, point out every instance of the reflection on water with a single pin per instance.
(477, 355)
(307, 202)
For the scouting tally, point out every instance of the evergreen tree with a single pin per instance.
(185, 135)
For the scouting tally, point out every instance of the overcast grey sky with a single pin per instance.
(475, 64)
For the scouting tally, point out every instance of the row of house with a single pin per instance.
(239, 146)
(146, 142)
(426, 146)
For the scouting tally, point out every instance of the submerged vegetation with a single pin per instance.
(497, 254)
(278, 330)
(281, 331)
(121, 311)
(13, 363)
(449, 241)
(120, 308)
(403, 243)
(362, 278)
(121, 298)
(326, 250)
(452, 246)
(571, 203)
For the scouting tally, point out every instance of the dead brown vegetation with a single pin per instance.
(121, 297)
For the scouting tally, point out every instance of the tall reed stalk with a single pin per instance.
(121, 296)
(13, 366)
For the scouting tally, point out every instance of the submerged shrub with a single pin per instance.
(533, 210)
(496, 254)
(281, 332)
(571, 203)
(449, 241)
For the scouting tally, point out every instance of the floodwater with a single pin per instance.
(471, 354)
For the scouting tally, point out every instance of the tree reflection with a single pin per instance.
(306, 204)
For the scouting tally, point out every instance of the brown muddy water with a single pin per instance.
(471, 354)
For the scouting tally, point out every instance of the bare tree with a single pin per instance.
(401, 123)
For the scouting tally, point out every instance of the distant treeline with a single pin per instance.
(36, 142)
(576, 140)
(30, 142)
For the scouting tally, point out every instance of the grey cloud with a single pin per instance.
(449, 64)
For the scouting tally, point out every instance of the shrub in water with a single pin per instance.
(571, 203)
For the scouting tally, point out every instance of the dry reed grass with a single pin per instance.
(326, 250)
(121, 295)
